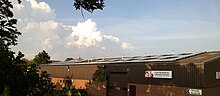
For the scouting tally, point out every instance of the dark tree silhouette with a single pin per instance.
(89, 5)
(17, 79)
(10, 73)
(42, 58)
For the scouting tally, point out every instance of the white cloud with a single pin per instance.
(42, 35)
(112, 38)
(126, 45)
(41, 6)
(86, 34)
(40, 30)
(46, 44)
(31, 10)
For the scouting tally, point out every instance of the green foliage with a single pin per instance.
(17, 79)
(39, 85)
(27, 62)
(70, 90)
(89, 5)
(45, 85)
(8, 31)
(42, 58)
(6, 91)
(100, 74)
(11, 74)
(88, 84)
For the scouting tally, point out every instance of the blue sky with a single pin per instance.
(123, 27)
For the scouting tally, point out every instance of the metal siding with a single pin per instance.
(200, 58)
(117, 85)
(83, 72)
(182, 75)
(213, 91)
(211, 68)
(75, 72)
(187, 73)
(159, 90)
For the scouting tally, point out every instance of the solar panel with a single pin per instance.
(147, 58)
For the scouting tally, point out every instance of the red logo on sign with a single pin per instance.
(148, 74)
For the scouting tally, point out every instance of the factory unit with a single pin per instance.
(185, 74)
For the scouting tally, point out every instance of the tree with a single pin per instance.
(100, 74)
(6, 91)
(39, 85)
(17, 79)
(10, 72)
(42, 58)
(27, 62)
(8, 30)
(89, 5)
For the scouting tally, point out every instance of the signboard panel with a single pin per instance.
(194, 91)
(158, 74)
(217, 76)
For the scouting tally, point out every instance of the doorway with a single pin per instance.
(117, 84)
(132, 90)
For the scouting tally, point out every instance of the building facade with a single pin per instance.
(184, 74)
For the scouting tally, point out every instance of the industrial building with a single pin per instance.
(185, 74)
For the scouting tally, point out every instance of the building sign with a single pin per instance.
(194, 91)
(217, 76)
(158, 74)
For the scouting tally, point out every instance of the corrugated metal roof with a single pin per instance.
(182, 57)
(200, 58)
